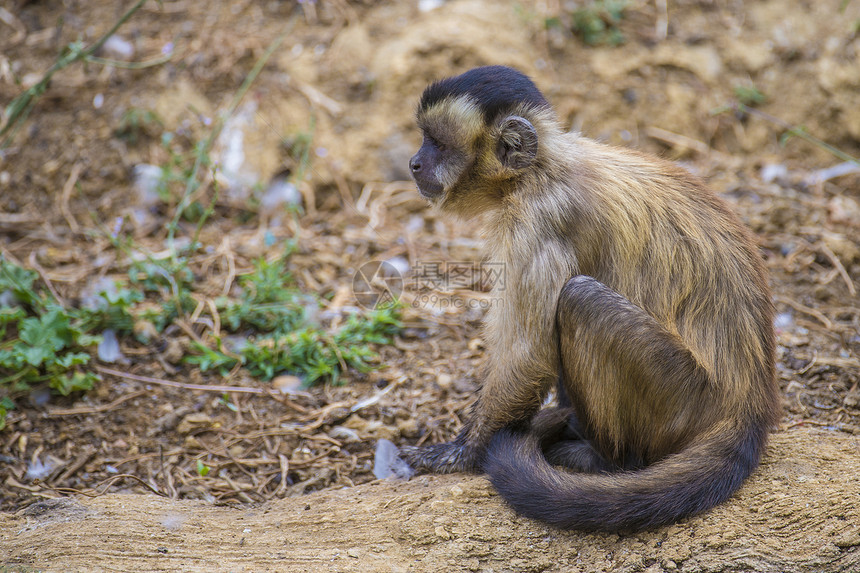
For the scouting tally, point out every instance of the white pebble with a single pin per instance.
(118, 48)
(108, 349)
(387, 464)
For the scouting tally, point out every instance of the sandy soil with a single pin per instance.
(348, 74)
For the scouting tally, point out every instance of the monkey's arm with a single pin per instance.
(502, 401)
(521, 368)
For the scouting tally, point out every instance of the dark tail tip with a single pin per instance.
(681, 485)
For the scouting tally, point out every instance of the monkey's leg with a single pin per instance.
(638, 391)
(552, 425)
(563, 441)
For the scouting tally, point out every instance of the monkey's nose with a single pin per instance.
(414, 165)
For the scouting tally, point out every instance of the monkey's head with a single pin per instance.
(481, 132)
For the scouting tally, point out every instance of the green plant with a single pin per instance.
(46, 341)
(299, 149)
(749, 95)
(43, 342)
(135, 122)
(790, 130)
(266, 301)
(285, 336)
(19, 108)
(597, 22)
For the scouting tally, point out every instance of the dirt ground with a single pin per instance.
(348, 75)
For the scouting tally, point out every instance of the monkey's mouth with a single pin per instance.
(430, 190)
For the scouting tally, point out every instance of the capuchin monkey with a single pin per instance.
(629, 286)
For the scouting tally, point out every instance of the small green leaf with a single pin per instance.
(70, 359)
(65, 384)
(6, 404)
(18, 280)
(34, 355)
(202, 469)
(225, 400)
(9, 314)
(51, 330)
(749, 95)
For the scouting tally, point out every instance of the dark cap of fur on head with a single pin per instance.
(495, 89)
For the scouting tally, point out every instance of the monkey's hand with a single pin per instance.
(443, 458)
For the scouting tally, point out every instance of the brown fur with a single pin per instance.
(665, 354)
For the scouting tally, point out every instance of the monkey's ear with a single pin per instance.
(518, 143)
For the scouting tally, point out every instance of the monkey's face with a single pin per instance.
(465, 160)
(431, 167)
(451, 129)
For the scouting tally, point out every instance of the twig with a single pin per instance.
(681, 141)
(67, 192)
(42, 273)
(94, 409)
(806, 310)
(15, 23)
(807, 422)
(285, 466)
(839, 267)
(107, 483)
(319, 99)
(162, 382)
(131, 65)
(226, 250)
(80, 461)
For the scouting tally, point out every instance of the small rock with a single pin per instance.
(400, 264)
(147, 177)
(280, 192)
(175, 350)
(845, 210)
(144, 331)
(409, 428)
(346, 435)
(287, 384)
(91, 295)
(772, 172)
(429, 5)
(846, 250)
(168, 421)
(444, 380)
(118, 48)
(387, 463)
(193, 421)
(108, 349)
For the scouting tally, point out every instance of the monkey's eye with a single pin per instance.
(435, 143)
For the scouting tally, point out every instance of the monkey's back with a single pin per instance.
(657, 235)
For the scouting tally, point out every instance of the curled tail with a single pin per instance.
(699, 477)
